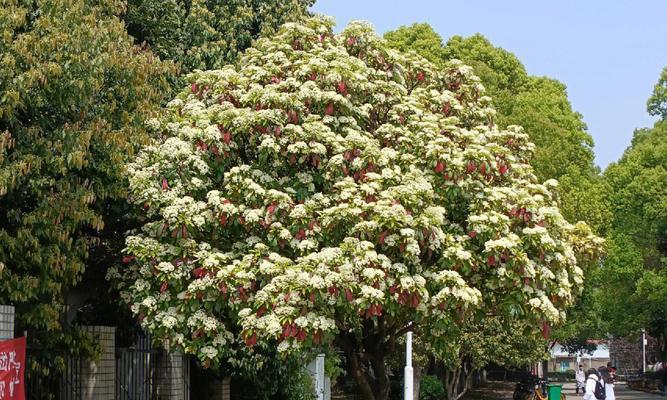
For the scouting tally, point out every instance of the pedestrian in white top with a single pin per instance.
(608, 375)
(580, 377)
(589, 393)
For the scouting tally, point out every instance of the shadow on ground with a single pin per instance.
(492, 391)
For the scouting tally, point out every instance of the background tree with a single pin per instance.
(538, 104)
(637, 263)
(74, 92)
(331, 189)
(207, 34)
(420, 38)
(559, 134)
(493, 340)
(657, 103)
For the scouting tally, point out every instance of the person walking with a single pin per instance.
(580, 378)
(612, 379)
(591, 383)
(606, 376)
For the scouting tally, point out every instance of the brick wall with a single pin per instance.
(6, 322)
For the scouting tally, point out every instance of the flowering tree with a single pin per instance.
(330, 189)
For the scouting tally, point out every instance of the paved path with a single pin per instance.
(622, 393)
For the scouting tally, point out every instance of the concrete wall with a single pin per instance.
(6, 322)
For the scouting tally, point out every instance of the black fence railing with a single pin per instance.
(144, 372)
(46, 381)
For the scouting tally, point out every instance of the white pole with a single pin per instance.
(408, 387)
(644, 350)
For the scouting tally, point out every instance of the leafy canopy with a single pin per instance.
(538, 104)
(420, 38)
(657, 103)
(637, 263)
(207, 34)
(74, 92)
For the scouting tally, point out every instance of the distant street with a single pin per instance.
(621, 390)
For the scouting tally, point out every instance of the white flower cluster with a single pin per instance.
(545, 307)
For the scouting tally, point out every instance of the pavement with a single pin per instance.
(621, 391)
(503, 391)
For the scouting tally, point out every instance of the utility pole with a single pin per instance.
(409, 385)
(644, 350)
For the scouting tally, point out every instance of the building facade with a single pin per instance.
(562, 361)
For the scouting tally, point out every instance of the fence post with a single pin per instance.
(6, 322)
(174, 372)
(221, 389)
(316, 372)
(98, 378)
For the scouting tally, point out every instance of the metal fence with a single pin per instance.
(144, 372)
(134, 371)
(45, 382)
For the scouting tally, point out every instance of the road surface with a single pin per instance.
(622, 393)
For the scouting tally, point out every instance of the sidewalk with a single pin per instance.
(621, 390)
(504, 391)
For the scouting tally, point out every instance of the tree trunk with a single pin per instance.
(380, 373)
(468, 379)
(359, 375)
(417, 373)
(662, 343)
(452, 378)
(367, 365)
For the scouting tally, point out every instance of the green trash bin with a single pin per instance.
(554, 391)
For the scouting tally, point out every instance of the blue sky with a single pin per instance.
(609, 53)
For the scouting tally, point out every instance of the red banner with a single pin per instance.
(12, 365)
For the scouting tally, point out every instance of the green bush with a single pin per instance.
(561, 376)
(297, 386)
(430, 388)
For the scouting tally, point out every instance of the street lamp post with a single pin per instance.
(643, 350)
(408, 386)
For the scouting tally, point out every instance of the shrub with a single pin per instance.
(430, 388)
(561, 376)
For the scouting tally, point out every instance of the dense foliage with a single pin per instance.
(74, 92)
(329, 188)
(207, 34)
(657, 103)
(636, 267)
